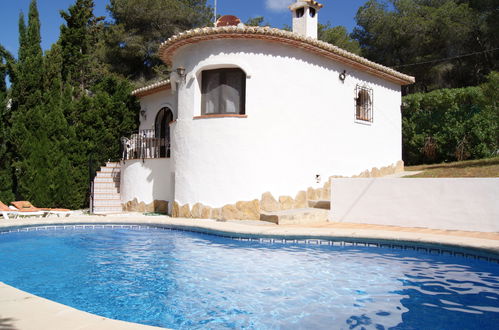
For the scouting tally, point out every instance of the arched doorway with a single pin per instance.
(162, 131)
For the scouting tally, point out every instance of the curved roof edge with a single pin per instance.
(168, 48)
(152, 88)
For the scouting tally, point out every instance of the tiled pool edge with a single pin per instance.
(456, 245)
(424, 247)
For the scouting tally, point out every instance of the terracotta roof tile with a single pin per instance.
(169, 47)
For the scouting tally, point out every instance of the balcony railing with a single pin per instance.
(145, 144)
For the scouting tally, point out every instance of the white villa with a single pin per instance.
(258, 119)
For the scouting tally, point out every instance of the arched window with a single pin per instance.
(162, 131)
(223, 91)
(312, 12)
(363, 103)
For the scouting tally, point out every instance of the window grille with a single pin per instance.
(364, 103)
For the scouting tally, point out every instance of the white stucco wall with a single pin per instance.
(454, 204)
(155, 102)
(300, 122)
(148, 180)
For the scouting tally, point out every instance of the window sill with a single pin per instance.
(220, 116)
(363, 122)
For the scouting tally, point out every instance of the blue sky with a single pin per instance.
(337, 12)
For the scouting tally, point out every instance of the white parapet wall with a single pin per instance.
(146, 181)
(470, 204)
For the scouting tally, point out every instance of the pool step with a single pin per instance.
(106, 195)
(296, 216)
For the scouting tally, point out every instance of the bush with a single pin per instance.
(451, 124)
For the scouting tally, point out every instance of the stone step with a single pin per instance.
(296, 216)
(113, 164)
(106, 185)
(106, 179)
(106, 188)
(320, 204)
(107, 209)
(107, 175)
(110, 169)
(107, 202)
(99, 195)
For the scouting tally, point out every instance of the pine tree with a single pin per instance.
(56, 136)
(78, 39)
(6, 194)
(27, 100)
(97, 105)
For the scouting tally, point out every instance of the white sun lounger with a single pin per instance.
(21, 213)
(5, 214)
(59, 213)
(5, 211)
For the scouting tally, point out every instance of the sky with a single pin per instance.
(276, 13)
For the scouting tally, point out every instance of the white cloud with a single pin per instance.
(278, 5)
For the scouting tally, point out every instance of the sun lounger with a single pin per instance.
(26, 205)
(6, 211)
(23, 211)
(59, 212)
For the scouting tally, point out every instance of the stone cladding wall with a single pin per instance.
(251, 210)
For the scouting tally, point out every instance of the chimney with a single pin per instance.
(305, 13)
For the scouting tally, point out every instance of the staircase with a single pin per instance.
(106, 194)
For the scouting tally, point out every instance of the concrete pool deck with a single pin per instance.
(21, 310)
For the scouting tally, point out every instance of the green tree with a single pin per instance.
(78, 39)
(97, 105)
(57, 189)
(140, 26)
(338, 36)
(6, 188)
(27, 87)
(256, 21)
(424, 38)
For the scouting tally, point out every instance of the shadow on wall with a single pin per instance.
(152, 181)
(7, 323)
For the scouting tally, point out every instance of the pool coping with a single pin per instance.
(26, 311)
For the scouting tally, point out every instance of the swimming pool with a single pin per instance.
(188, 280)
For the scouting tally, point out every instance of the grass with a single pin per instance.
(480, 168)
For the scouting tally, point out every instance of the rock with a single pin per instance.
(161, 206)
(301, 200)
(230, 212)
(175, 210)
(197, 210)
(326, 191)
(149, 207)
(206, 212)
(268, 203)
(216, 214)
(311, 194)
(286, 202)
(185, 211)
(399, 167)
(141, 207)
(249, 210)
(131, 206)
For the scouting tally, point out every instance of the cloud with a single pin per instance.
(278, 5)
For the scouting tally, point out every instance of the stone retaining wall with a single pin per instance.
(136, 206)
(250, 210)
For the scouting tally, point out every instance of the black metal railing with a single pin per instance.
(145, 144)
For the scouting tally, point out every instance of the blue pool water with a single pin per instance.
(187, 280)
